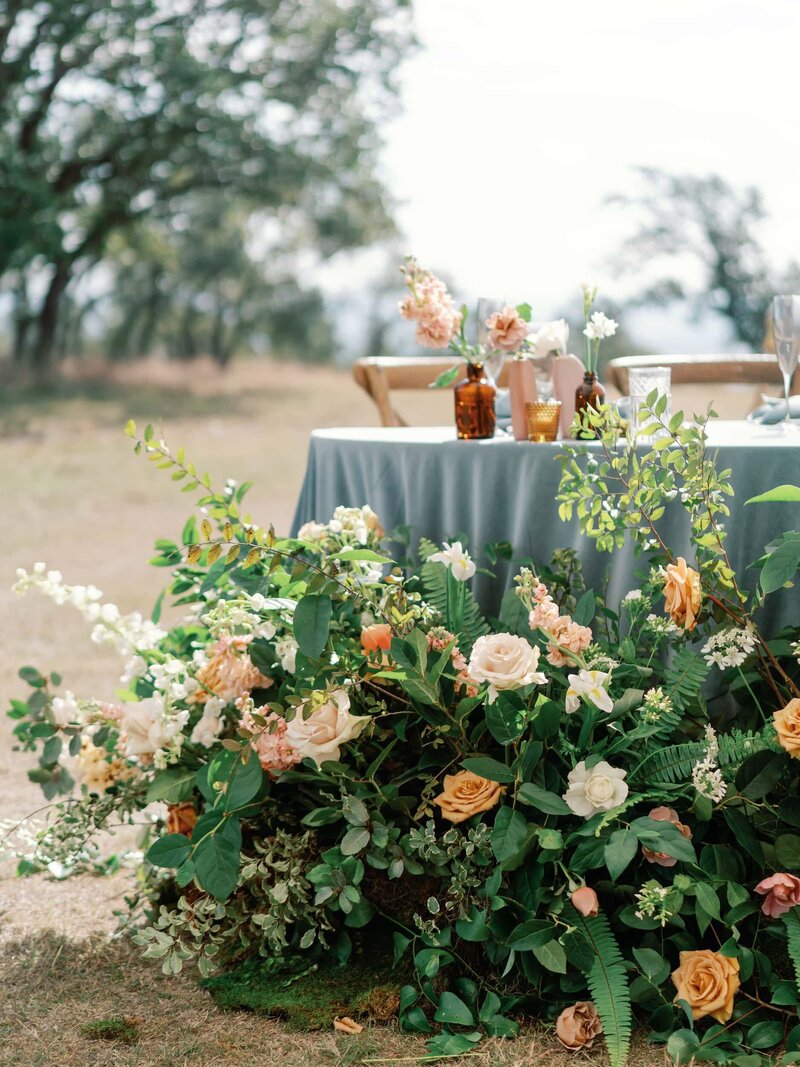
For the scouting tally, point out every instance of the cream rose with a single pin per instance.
(504, 661)
(465, 794)
(599, 789)
(578, 1025)
(143, 724)
(319, 735)
(708, 982)
(682, 594)
(787, 726)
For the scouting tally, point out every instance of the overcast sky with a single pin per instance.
(520, 116)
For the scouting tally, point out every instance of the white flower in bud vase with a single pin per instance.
(600, 326)
(504, 661)
(551, 337)
(599, 789)
(589, 685)
(453, 556)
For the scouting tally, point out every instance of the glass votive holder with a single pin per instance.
(643, 380)
(543, 416)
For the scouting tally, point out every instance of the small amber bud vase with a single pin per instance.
(590, 393)
(543, 418)
(474, 397)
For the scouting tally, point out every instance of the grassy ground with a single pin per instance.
(75, 496)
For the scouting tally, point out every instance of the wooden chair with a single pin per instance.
(379, 375)
(751, 368)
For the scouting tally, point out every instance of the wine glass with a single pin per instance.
(786, 331)
(493, 358)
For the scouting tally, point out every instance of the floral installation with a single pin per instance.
(581, 810)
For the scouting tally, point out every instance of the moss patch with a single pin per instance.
(310, 995)
(119, 1029)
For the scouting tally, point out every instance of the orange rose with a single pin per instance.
(578, 1026)
(181, 818)
(377, 636)
(664, 814)
(787, 724)
(465, 794)
(682, 594)
(708, 982)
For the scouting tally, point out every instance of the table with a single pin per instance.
(504, 490)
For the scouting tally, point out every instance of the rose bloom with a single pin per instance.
(781, 892)
(571, 636)
(578, 1026)
(320, 735)
(682, 594)
(584, 899)
(181, 818)
(787, 726)
(708, 982)
(663, 814)
(504, 661)
(375, 637)
(465, 794)
(142, 723)
(507, 329)
(600, 789)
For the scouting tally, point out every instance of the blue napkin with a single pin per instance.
(773, 410)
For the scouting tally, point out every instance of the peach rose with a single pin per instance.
(663, 814)
(584, 899)
(329, 725)
(465, 794)
(682, 594)
(578, 1026)
(375, 637)
(708, 982)
(781, 892)
(507, 329)
(181, 818)
(787, 725)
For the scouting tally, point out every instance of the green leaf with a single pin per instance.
(542, 800)
(780, 566)
(552, 957)
(504, 721)
(240, 781)
(489, 768)
(354, 841)
(365, 555)
(509, 835)
(169, 851)
(453, 1011)
(787, 851)
(527, 935)
(707, 899)
(216, 861)
(173, 786)
(312, 622)
(766, 1034)
(651, 964)
(446, 378)
(759, 774)
(620, 851)
(585, 609)
(682, 1046)
(781, 494)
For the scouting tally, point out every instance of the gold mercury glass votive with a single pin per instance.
(543, 416)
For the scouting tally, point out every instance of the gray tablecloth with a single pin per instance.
(503, 490)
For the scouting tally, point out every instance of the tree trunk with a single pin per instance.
(47, 320)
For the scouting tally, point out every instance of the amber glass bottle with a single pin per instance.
(590, 393)
(474, 398)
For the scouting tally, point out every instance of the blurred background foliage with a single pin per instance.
(172, 173)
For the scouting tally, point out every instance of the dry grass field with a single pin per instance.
(73, 494)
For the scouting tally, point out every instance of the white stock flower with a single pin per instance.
(599, 789)
(551, 337)
(286, 650)
(600, 326)
(454, 557)
(631, 596)
(589, 685)
(329, 726)
(504, 661)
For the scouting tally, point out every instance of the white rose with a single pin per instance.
(599, 789)
(504, 661)
(144, 727)
(65, 709)
(329, 726)
(551, 337)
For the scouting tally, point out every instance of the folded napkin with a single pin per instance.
(773, 410)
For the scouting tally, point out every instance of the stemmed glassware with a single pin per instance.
(494, 360)
(786, 331)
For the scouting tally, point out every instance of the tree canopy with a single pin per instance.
(121, 118)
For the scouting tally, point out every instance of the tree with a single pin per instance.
(705, 220)
(117, 112)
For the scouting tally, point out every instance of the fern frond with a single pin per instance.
(684, 678)
(737, 745)
(791, 920)
(434, 581)
(608, 984)
(671, 765)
